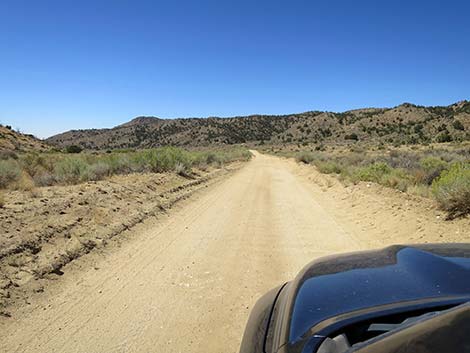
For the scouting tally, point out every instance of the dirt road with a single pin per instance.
(186, 282)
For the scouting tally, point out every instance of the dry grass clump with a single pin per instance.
(25, 182)
(27, 171)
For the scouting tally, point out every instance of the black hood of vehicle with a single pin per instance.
(337, 285)
(446, 331)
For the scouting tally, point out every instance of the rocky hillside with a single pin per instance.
(406, 123)
(11, 140)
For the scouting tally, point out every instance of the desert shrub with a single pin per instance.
(306, 157)
(396, 179)
(452, 190)
(119, 163)
(211, 157)
(420, 190)
(10, 172)
(431, 167)
(46, 169)
(25, 182)
(444, 137)
(412, 171)
(373, 172)
(165, 159)
(433, 163)
(352, 136)
(35, 163)
(44, 178)
(458, 125)
(97, 171)
(182, 169)
(73, 149)
(71, 170)
(404, 160)
(328, 167)
(6, 154)
(352, 159)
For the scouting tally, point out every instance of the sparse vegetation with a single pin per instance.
(404, 124)
(26, 171)
(439, 172)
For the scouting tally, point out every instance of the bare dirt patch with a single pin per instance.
(43, 230)
(380, 215)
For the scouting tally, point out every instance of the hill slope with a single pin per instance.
(11, 140)
(406, 123)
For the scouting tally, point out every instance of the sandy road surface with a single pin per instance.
(187, 282)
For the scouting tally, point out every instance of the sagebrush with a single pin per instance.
(438, 172)
(452, 190)
(45, 169)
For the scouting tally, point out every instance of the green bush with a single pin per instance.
(119, 163)
(166, 159)
(412, 171)
(373, 172)
(452, 190)
(71, 170)
(10, 172)
(432, 163)
(47, 169)
(432, 167)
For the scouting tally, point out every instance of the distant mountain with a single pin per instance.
(11, 140)
(406, 123)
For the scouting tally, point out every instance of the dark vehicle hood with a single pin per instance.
(446, 332)
(332, 287)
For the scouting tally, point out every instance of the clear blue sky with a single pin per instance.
(80, 64)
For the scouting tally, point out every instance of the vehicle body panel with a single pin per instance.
(337, 290)
(447, 332)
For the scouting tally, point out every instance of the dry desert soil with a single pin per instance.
(185, 279)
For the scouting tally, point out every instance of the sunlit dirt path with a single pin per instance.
(187, 282)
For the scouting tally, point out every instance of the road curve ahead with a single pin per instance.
(186, 283)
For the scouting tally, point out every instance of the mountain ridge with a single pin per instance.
(405, 123)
